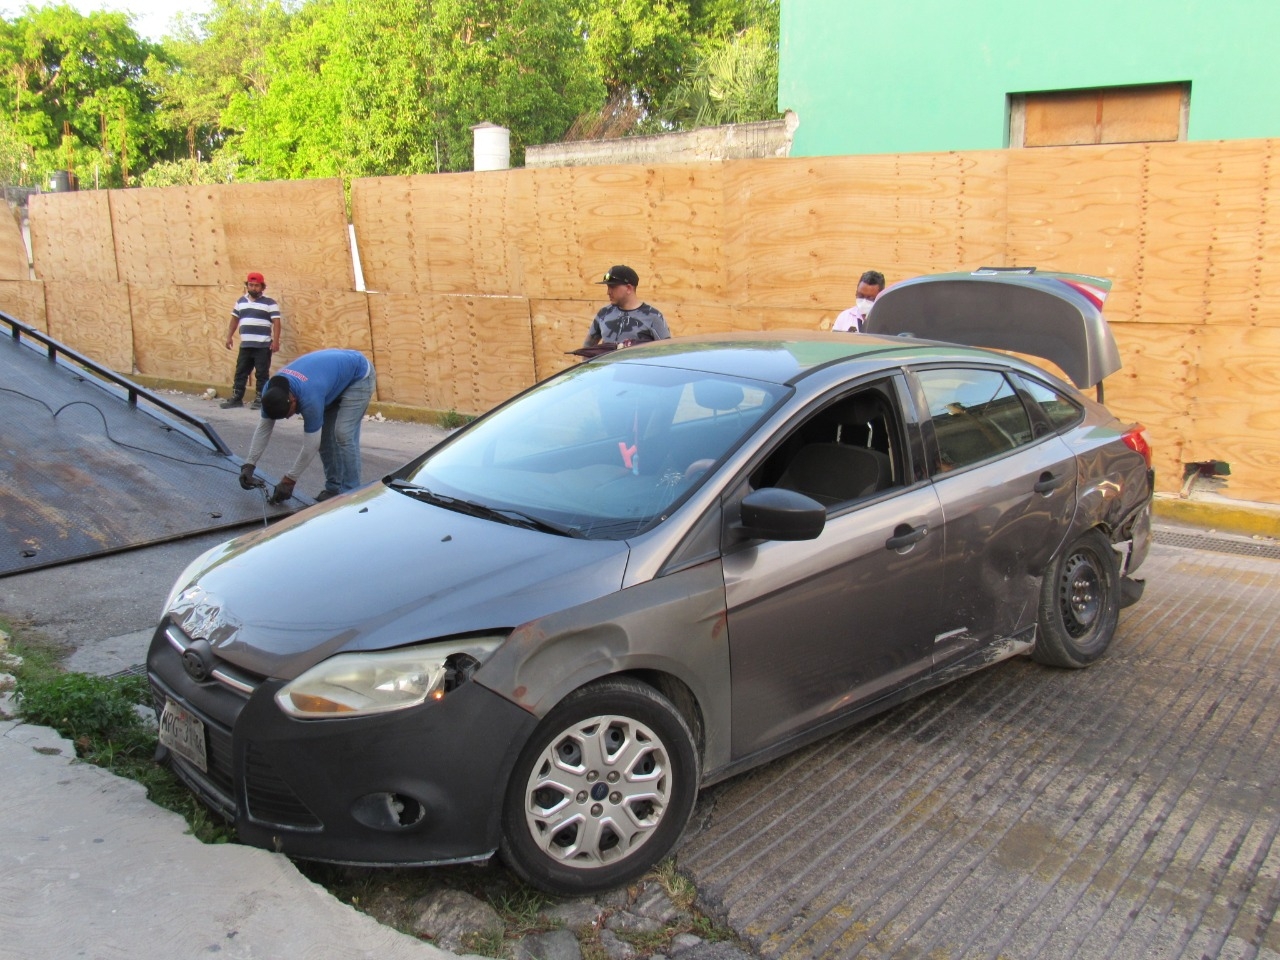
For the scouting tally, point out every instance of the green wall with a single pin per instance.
(933, 75)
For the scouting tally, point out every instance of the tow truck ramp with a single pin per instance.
(91, 463)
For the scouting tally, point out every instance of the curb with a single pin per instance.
(1249, 519)
(446, 419)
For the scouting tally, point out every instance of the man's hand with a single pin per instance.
(283, 490)
(247, 480)
(228, 343)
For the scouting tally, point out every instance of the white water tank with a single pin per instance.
(492, 150)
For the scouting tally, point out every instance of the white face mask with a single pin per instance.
(864, 306)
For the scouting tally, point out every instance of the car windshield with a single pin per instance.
(603, 452)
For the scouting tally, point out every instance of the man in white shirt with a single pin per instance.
(870, 286)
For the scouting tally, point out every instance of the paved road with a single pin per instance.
(1129, 810)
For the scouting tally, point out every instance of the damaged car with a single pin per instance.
(654, 571)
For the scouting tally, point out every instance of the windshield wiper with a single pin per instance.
(501, 514)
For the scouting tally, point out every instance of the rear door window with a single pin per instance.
(976, 415)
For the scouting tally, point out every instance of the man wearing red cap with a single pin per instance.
(257, 317)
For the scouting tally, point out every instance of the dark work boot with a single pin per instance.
(231, 402)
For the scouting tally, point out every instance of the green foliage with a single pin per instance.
(452, 419)
(266, 89)
(375, 87)
(732, 81)
(638, 46)
(223, 168)
(74, 90)
(84, 707)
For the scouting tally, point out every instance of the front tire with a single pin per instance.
(1079, 604)
(602, 790)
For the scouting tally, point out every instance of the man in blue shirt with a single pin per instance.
(331, 389)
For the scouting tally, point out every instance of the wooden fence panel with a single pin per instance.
(24, 300)
(442, 234)
(314, 319)
(71, 237)
(170, 237)
(1072, 209)
(665, 222)
(1161, 364)
(451, 353)
(13, 251)
(293, 232)
(1234, 415)
(803, 231)
(92, 318)
(179, 332)
(557, 326)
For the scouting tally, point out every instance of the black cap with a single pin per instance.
(621, 274)
(275, 399)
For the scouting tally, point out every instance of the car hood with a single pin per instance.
(376, 570)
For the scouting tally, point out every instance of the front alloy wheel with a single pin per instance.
(602, 790)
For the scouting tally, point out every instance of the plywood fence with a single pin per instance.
(477, 284)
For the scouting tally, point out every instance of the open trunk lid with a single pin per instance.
(1055, 316)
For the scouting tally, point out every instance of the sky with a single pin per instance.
(151, 17)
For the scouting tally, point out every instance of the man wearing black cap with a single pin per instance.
(626, 320)
(257, 319)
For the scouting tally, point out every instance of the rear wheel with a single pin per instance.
(1079, 603)
(602, 791)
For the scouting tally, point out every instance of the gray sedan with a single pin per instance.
(654, 571)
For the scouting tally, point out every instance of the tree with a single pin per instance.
(637, 46)
(370, 87)
(213, 57)
(519, 64)
(733, 81)
(75, 91)
(667, 62)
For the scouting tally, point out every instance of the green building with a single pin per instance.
(938, 75)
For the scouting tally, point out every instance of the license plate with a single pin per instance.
(184, 735)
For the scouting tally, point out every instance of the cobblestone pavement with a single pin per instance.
(1129, 810)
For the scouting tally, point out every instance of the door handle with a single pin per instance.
(1049, 482)
(904, 535)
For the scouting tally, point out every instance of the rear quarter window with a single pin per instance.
(1060, 411)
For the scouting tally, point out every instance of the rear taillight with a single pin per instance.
(1135, 438)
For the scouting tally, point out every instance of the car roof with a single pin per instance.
(787, 356)
(1055, 316)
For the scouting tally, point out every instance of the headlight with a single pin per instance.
(359, 684)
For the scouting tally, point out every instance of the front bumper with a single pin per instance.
(417, 786)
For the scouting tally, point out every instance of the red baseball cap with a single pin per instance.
(256, 278)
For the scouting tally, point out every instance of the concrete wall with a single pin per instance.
(924, 75)
(739, 141)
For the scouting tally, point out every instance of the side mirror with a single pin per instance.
(776, 514)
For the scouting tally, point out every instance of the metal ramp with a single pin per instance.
(91, 463)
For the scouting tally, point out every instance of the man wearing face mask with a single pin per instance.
(870, 286)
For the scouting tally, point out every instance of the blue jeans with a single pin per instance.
(340, 435)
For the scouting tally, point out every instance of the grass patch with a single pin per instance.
(452, 419)
(110, 721)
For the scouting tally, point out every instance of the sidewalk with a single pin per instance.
(89, 867)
